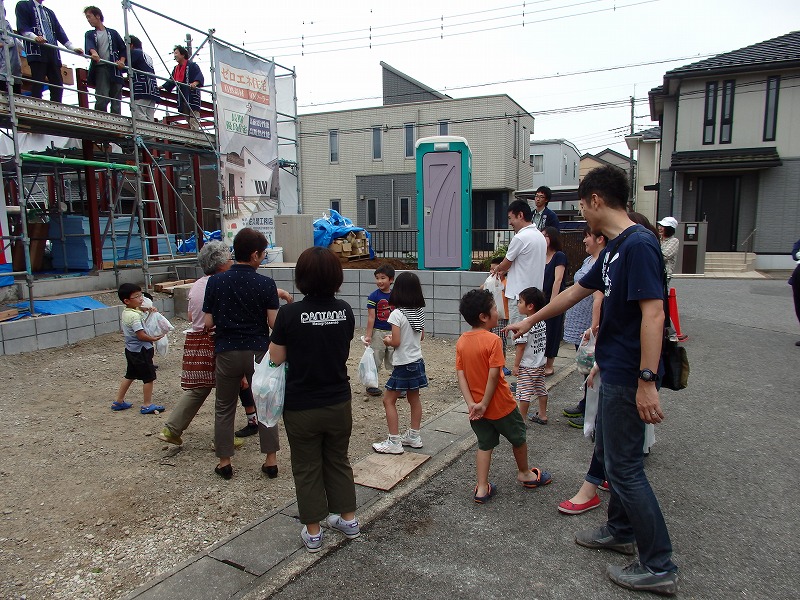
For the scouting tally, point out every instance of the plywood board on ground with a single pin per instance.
(5, 315)
(384, 471)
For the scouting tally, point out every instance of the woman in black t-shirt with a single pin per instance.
(313, 337)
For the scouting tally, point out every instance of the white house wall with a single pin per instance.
(486, 123)
(748, 114)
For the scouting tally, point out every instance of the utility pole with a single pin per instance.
(189, 43)
(632, 176)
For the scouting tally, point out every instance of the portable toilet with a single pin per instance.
(444, 195)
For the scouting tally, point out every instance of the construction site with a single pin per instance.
(94, 199)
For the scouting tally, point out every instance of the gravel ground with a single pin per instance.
(93, 504)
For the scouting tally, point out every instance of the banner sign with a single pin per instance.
(248, 141)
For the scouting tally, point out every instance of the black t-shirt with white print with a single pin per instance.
(316, 332)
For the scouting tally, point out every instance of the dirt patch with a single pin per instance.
(93, 505)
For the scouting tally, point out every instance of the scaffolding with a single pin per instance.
(159, 164)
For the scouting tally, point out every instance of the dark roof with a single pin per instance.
(718, 160)
(654, 133)
(775, 53)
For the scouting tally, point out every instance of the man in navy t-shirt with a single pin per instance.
(630, 273)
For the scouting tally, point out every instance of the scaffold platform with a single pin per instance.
(53, 118)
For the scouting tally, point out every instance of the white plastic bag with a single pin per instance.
(269, 388)
(584, 359)
(494, 285)
(156, 324)
(592, 401)
(367, 371)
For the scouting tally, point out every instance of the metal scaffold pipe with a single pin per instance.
(77, 162)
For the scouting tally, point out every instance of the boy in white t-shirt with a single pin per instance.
(530, 359)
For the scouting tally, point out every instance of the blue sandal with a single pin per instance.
(542, 478)
(120, 405)
(484, 499)
(151, 409)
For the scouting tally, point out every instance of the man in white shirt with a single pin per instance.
(525, 258)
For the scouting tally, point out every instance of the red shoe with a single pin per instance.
(604, 486)
(568, 507)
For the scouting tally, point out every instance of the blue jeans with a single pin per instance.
(633, 511)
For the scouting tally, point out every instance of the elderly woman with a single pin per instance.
(197, 375)
(669, 244)
(313, 336)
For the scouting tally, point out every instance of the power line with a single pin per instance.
(519, 80)
(440, 27)
(458, 33)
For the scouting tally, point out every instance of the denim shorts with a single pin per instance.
(408, 377)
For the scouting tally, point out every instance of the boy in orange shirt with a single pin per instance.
(492, 409)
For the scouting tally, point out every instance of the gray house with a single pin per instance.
(362, 162)
(730, 150)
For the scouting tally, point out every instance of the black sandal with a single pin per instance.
(225, 472)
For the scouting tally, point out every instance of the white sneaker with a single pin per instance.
(313, 543)
(351, 529)
(409, 439)
(389, 446)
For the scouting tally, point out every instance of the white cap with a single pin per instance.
(669, 222)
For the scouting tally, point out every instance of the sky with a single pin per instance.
(573, 64)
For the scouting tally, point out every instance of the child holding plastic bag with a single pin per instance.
(138, 351)
(408, 329)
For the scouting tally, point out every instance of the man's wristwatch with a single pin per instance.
(648, 375)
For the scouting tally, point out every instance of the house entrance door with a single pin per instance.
(719, 205)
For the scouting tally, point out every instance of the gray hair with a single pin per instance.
(212, 256)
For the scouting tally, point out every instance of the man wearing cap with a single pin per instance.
(669, 243)
(543, 216)
(40, 26)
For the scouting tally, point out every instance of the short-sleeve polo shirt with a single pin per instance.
(238, 301)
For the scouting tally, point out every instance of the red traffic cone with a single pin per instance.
(674, 316)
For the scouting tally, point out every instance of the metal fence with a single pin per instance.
(402, 244)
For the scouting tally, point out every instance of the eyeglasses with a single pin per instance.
(540, 197)
(136, 296)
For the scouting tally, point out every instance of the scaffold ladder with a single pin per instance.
(153, 228)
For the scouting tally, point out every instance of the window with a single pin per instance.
(231, 184)
(537, 161)
(409, 139)
(574, 169)
(710, 115)
(405, 212)
(771, 108)
(336, 204)
(726, 122)
(377, 143)
(444, 128)
(516, 137)
(525, 143)
(333, 145)
(372, 212)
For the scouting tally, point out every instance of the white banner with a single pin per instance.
(248, 140)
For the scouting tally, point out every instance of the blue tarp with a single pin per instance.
(190, 244)
(60, 307)
(336, 226)
(76, 252)
(7, 279)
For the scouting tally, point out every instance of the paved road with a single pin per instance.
(724, 468)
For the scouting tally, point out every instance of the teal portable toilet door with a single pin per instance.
(441, 197)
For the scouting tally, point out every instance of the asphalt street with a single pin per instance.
(724, 469)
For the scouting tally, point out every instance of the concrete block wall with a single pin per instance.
(442, 291)
(40, 333)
